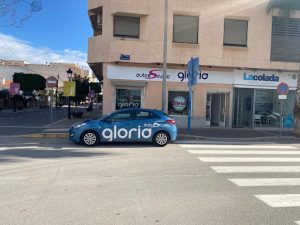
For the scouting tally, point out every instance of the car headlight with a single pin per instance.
(79, 125)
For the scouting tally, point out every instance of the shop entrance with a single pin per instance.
(216, 109)
(243, 107)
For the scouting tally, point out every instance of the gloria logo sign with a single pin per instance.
(262, 77)
(173, 75)
(179, 103)
(123, 133)
(158, 74)
(185, 75)
(128, 104)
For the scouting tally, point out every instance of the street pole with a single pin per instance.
(69, 72)
(280, 124)
(51, 97)
(56, 93)
(165, 54)
(69, 105)
(190, 108)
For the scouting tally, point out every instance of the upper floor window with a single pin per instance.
(235, 32)
(185, 29)
(96, 16)
(285, 39)
(126, 26)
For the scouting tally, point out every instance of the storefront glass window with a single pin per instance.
(267, 107)
(178, 103)
(243, 109)
(126, 98)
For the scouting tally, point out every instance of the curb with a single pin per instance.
(220, 139)
(183, 137)
(47, 135)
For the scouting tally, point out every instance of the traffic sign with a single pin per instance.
(283, 88)
(193, 71)
(51, 82)
(91, 94)
(282, 97)
(14, 88)
(69, 88)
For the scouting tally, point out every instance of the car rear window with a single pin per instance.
(146, 115)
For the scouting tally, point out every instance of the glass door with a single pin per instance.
(208, 109)
(243, 107)
(222, 120)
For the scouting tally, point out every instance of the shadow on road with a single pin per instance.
(7, 160)
(101, 146)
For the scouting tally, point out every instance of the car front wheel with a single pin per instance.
(161, 139)
(89, 138)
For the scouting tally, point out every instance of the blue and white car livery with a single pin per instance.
(126, 125)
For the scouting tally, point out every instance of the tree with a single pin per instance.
(30, 82)
(96, 87)
(82, 89)
(286, 7)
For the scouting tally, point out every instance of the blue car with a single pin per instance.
(126, 125)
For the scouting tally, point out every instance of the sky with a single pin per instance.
(57, 32)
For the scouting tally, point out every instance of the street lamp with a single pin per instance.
(69, 72)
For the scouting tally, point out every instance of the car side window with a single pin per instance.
(121, 116)
(140, 115)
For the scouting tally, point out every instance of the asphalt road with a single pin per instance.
(28, 121)
(56, 182)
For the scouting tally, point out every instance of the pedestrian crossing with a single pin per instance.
(248, 160)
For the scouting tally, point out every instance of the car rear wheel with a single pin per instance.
(161, 139)
(89, 138)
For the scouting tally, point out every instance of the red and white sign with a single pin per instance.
(14, 88)
(179, 103)
(51, 82)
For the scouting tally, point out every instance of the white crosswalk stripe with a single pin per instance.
(256, 169)
(264, 182)
(246, 159)
(239, 146)
(276, 201)
(241, 152)
(297, 222)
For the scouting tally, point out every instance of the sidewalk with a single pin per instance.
(67, 123)
(237, 134)
(60, 129)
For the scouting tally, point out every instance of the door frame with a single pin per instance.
(226, 109)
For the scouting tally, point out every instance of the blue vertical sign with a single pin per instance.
(193, 71)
